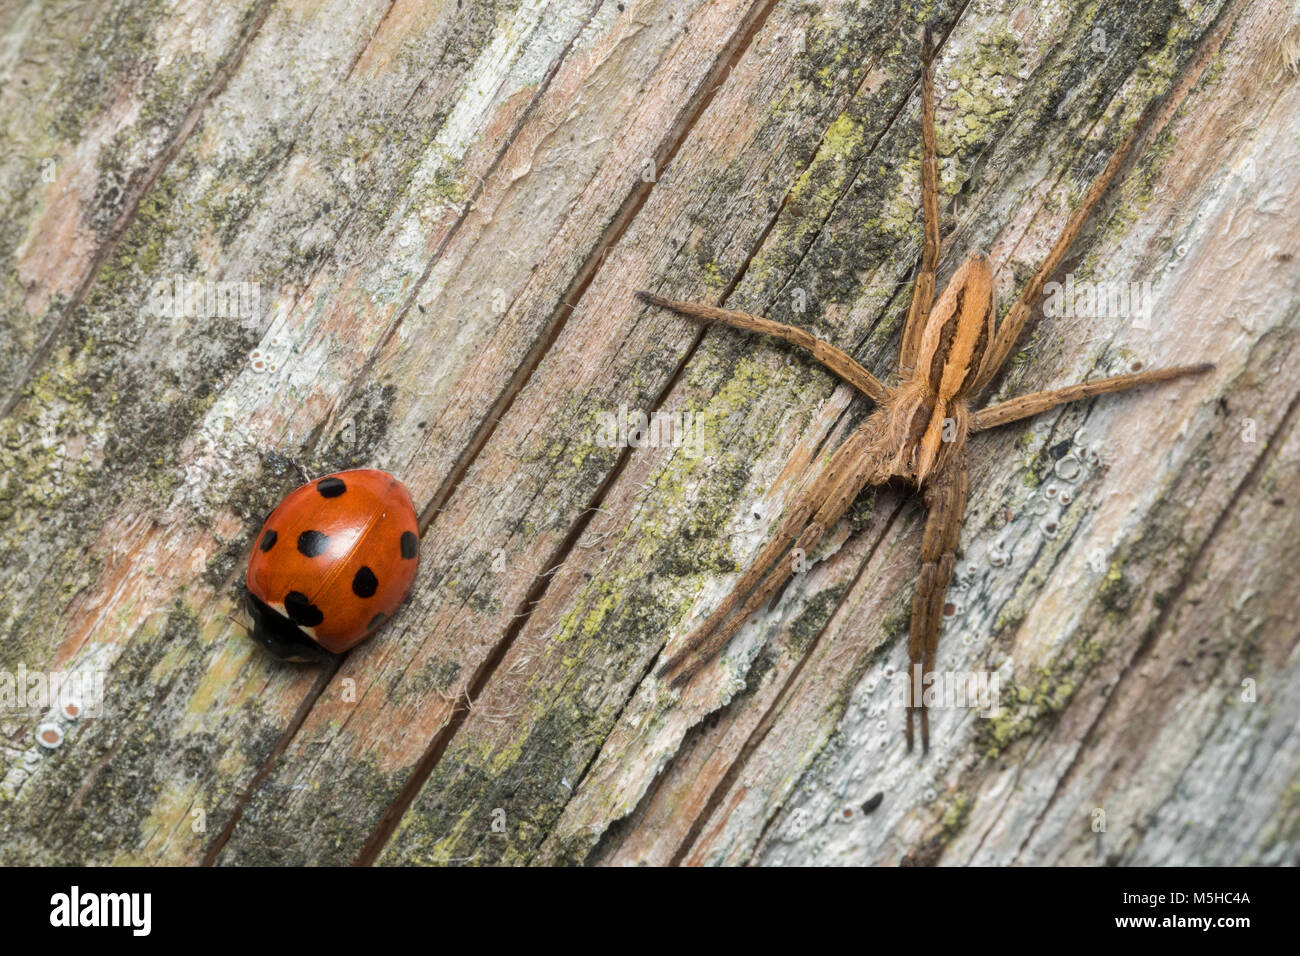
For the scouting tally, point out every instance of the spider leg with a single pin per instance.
(1014, 322)
(836, 360)
(923, 288)
(1156, 118)
(791, 525)
(850, 469)
(1013, 410)
(945, 499)
(714, 642)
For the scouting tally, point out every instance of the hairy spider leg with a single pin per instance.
(945, 501)
(1026, 406)
(835, 360)
(923, 287)
(810, 505)
(853, 466)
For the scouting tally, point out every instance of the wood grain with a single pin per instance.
(446, 209)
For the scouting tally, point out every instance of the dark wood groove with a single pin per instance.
(632, 205)
(319, 687)
(744, 268)
(1152, 633)
(761, 729)
(137, 194)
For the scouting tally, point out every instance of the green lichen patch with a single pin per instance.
(114, 47)
(812, 620)
(88, 802)
(1028, 706)
(867, 224)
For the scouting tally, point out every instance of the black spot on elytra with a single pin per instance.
(301, 611)
(410, 544)
(364, 582)
(312, 543)
(268, 540)
(376, 621)
(331, 487)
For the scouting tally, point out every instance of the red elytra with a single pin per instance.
(332, 562)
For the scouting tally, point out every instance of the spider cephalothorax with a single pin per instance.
(951, 349)
(929, 415)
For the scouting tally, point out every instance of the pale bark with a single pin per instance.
(447, 210)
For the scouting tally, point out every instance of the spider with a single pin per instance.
(951, 350)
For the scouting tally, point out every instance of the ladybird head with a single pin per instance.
(280, 636)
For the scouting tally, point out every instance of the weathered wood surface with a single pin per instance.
(446, 208)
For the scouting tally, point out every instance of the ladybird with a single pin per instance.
(332, 562)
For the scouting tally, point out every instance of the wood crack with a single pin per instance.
(132, 205)
(1151, 637)
(765, 724)
(319, 687)
(734, 283)
(690, 115)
